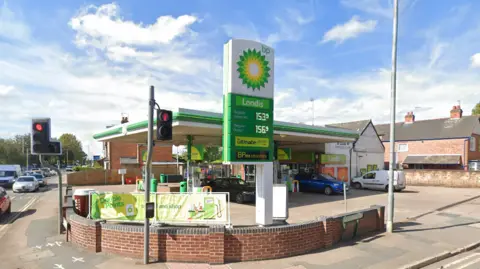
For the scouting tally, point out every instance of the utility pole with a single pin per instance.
(148, 166)
(393, 100)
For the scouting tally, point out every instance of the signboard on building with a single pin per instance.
(333, 159)
(248, 102)
(96, 157)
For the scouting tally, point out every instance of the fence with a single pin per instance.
(111, 177)
(443, 178)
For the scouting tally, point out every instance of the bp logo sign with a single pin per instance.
(253, 69)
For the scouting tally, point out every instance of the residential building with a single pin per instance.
(365, 154)
(445, 143)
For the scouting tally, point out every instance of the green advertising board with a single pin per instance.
(197, 152)
(284, 154)
(248, 102)
(118, 206)
(333, 159)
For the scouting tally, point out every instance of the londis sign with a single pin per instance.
(248, 102)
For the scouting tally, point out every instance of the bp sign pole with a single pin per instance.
(248, 68)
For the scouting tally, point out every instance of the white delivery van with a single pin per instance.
(9, 173)
(378, 180)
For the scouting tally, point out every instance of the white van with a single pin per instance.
(378, 180)
(9, 173)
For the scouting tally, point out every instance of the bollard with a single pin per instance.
(206, 189)
(296, 186)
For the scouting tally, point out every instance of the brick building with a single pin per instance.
(445, 143)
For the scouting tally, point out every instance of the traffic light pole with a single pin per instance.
(148, 168)
(60, 192)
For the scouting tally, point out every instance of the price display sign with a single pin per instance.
(248, 102)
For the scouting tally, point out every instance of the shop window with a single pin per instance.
(402, 147)
(473, 144)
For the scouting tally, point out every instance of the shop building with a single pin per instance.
(345, 160)
(445, 143)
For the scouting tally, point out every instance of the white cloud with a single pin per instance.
(5, 90)
(475, 60)
(104, 26)
(85, 92)
(351, 29)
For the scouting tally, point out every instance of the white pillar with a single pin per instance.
(264, 193)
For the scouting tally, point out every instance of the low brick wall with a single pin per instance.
(217, 245)
(443, 178)
(111, 177)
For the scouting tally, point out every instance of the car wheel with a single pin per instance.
(239, 198)
(386, 188)
(328, 191)
(357, 185)
(9, 209)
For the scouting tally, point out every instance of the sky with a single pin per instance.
(84, 63)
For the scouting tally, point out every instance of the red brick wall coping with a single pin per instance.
(217, 244)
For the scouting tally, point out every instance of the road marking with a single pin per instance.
(58, 266)
(16, 215)
(459, 261)
(50, 245)
(58, 243)
(77, 259)
(468, 264)
(39, 247)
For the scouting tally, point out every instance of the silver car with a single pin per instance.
(26, 184)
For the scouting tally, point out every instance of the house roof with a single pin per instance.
(444, 128)
(357, 126)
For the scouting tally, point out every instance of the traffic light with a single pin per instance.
(41, 142)
(164, 125)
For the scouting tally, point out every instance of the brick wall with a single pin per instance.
(444, 178)
(110, 177)
(132, 150)
(474, 155)
(450, 146)
(216, 245)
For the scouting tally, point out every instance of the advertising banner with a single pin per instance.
(197, 152)
(284, 154)
(192, 208)
(200, 208)
(118, 206)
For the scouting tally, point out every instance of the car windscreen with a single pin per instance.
(25, 179)
(327, 176)
(7, 173)
(38, 176)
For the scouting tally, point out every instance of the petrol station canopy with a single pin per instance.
(206, 128)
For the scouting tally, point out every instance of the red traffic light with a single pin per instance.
(38, 127)
(165, 116)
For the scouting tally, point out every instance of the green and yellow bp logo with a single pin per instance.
(253, 69)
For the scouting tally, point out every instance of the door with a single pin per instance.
(317, 185)
(378, 180)
(368, 180)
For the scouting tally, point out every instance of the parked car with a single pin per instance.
(5, 202)
(46, 172)
(26, 184)
(40, 178)
(69, 169)
(239, 190)
(378, 180)
(321, 183)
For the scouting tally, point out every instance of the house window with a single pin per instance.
(473, 144)
(402, 147)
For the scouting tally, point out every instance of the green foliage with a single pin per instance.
(80, 168)
(476, 109)
(72, 148)
(212, 154)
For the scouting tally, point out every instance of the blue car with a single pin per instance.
(320, 183)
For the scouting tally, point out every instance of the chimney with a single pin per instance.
(410, 117)
(456, 112)
(124, 120)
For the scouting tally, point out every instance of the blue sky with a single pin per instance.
(83, 63)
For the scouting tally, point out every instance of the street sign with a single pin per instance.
(248, 102)
(96, 157)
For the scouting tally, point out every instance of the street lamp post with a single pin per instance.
(392, 162)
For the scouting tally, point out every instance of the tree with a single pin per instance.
(476, 109)
(212, 153)
(72, 148)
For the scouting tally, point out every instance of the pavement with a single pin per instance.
(441, 219)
